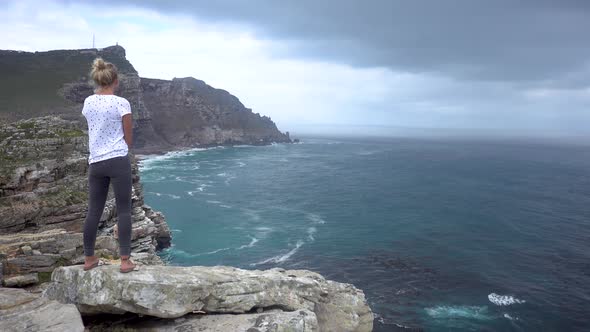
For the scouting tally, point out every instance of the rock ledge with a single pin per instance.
(173, 291)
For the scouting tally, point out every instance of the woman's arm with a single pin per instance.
(128, 129)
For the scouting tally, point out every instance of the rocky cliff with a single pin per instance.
(168, 115)
(197, 298)
(43, 202)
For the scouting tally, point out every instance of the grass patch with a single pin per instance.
(31, 82)
(44, 277)
(64, 197)
(70, 133)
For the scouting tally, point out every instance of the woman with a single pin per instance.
(109, 137)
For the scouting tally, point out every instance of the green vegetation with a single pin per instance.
(64, 197)
(44, 277)
(70, 133)
(30, 82)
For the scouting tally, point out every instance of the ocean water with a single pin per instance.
(441, 235)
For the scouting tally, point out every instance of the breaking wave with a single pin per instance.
(502, 300)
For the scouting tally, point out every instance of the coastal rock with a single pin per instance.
(172, 291)
(24, 311)
(186, 112)
(21, 280)
(167, 115)
(43, 201)
(56, 247)
(271, 321)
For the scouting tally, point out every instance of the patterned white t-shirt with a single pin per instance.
(105, 126)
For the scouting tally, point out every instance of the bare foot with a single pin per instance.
(90, 262)
(126, 264)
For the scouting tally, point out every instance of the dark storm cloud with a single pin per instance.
(468, 39)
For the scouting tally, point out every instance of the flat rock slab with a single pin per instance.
(24, 311)
(174, 291)
(272, 321)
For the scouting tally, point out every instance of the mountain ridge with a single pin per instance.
(168, 114)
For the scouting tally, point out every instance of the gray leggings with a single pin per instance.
(118, 171)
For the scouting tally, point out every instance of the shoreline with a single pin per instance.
(142, 154)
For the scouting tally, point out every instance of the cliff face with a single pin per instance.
(43, 202)
(168, 115)
(187, 112)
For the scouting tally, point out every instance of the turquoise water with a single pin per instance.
(440, 235)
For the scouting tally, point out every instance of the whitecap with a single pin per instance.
(310, 232)
(182, 253)
(280, 258)
(507, 316)
(241, 164)
(213, 202)
(225, 206)
(471, 312)
(315, 218)
(503, 300)
(249, 245)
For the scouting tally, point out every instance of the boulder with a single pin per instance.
(24, 311)
(174, 291)
(21, 280)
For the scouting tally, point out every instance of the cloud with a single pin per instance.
(460, 64)
(475, 40)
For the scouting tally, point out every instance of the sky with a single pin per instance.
(374, 67)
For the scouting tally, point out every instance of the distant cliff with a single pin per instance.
(168, 115)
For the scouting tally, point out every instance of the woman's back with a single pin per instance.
(105, 129)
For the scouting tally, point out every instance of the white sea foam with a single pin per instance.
(225, 206)
(150, 161)
(249, 245)
(280, 258)
(315, 218)
(263, 229)
(163, 194)
(214, 251)
(213, 202)
(510, 317)
(310, 232)
(472, 312)
(192, 193)
(504, 299)
(241, 164)
(182, 253)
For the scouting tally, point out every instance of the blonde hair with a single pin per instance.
(103, 73)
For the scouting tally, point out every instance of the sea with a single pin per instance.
(443, 234)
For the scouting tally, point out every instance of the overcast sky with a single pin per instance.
(374, 65)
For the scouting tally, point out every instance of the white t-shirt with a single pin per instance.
(105, 126)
